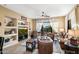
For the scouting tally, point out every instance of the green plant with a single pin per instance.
(22, 31)
(42, 29)
(47, 29)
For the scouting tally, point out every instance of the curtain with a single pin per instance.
(38, 26)
(54, 25)
(51, 23)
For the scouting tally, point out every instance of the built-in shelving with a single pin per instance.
(8, 35)
(9, 30)
(10, 27)
(10, 44)
(22, 23)
(22, 28)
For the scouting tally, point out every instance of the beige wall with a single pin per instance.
(61, 21)
(77, 15)
(33, 25)
(71, 16)
(6, 12)
(30, 23)
(74, 17)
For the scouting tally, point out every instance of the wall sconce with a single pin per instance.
(76, 32)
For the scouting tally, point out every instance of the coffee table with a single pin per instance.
(45, 46)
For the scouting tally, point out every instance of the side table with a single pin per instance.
(30, 44)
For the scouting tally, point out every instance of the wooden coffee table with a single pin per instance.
(45, 46)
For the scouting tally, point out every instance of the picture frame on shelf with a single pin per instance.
(23, 18)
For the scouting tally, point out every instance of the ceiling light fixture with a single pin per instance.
(44, 14)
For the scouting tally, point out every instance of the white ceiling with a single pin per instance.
(34, 10)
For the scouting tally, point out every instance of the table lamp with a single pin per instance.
(71, 32)
(61, 29)
(76, 33)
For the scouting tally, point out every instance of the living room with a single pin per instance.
(39, 29)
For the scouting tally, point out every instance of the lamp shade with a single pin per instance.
(61, 29)
(77, 33)
(71, 32)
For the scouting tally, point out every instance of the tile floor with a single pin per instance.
(21, 49)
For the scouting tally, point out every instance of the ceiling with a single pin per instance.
(35, 10)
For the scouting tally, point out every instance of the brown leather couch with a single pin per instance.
(74, 41)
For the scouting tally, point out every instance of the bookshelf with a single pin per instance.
(22, 28)
(9, 30)
(22, 23)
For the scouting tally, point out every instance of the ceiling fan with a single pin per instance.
(44, 14)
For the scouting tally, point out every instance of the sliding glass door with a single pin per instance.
(45, 24)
